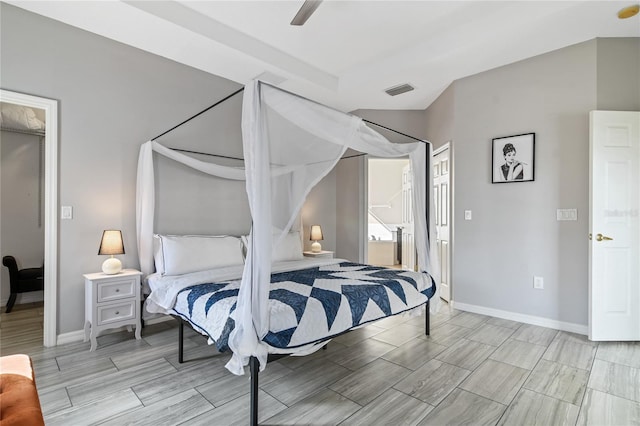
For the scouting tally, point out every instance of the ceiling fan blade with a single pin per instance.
(307, 9)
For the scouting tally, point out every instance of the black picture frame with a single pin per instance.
(518, 150)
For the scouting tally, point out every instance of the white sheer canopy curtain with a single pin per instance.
(280, 129)
(290, 143)
(145, 193)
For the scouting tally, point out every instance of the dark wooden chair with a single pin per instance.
(22, 280)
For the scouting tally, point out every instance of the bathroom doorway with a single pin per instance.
(387, 212)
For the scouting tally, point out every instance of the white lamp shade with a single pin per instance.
(111, 243)
(316, 233)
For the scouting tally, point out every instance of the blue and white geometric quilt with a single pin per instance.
(309, 305)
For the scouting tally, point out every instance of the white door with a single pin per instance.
(614, 226)
(441, 193)
(408, 244)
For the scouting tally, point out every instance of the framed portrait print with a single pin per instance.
(513, 158)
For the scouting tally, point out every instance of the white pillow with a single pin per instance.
(182, 254)
(289, 248)
(157, 253)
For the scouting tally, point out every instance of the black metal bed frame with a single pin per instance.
(240, 90)
(253, 362)
(254, 365)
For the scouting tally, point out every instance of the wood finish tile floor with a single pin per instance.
(474, 369)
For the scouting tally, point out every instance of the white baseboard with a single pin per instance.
(527, 319)
(78, 335)
(70, 337)
(29, 297)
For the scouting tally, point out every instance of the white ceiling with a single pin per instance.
(348, 52)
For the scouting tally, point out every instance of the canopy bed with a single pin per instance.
(256, 295)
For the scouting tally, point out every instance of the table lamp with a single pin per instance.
(316, 235)
(111, 244)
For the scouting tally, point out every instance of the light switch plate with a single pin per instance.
(467, 215)
(538, 282)
(67, 212)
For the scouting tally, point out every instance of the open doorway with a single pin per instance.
(28, 206)
(22, 132)
(388, 213)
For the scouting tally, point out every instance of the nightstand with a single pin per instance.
(111, 301)
(323, 253)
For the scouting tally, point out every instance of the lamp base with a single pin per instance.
(316, 247)
(111, 266)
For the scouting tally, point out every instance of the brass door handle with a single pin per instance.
(601, 237)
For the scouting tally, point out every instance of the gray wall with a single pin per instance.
(350, 203)
(21, 225)
(409, 122)
(514, 234)
(618, 74)
(111, 99)
(439, 118)
(320, 209)
(208, 205)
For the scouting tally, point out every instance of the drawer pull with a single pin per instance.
(117, 312)
(117, 290)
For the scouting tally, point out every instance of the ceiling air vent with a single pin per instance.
(396, 90)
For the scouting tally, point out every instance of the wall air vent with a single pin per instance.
(397, 90)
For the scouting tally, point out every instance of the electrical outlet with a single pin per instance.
(567, 214)
(538, 282)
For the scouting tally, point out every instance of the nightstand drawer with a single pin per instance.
(114, 290)
(116, 312)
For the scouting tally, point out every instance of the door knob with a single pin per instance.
(601, 237)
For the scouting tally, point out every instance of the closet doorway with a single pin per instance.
(47, 216)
